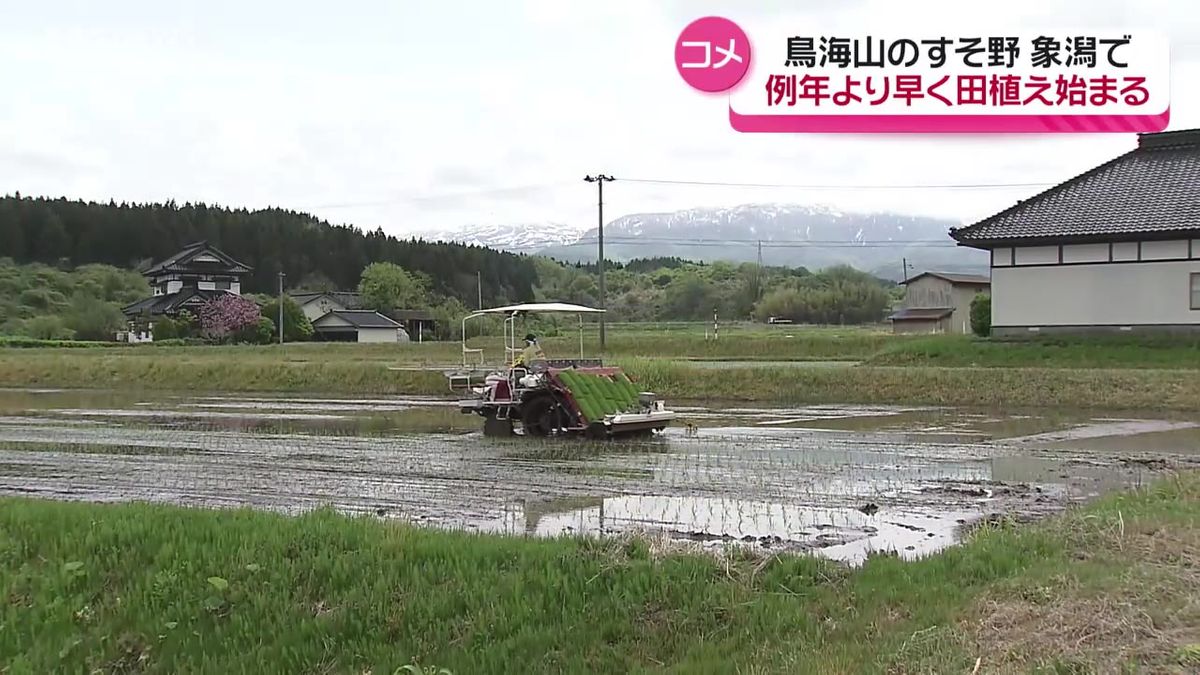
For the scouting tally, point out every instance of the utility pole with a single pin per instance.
(904, 275)
(758, 289)
(599, 179)
(281, 276)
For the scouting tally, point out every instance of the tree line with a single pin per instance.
(80, 261)
(670, 289)
(313, 253)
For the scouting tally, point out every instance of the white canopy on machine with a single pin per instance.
(510, 329)
(540, 308)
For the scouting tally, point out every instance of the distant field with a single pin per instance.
(739, 342)
(217, 372)
(941, 370)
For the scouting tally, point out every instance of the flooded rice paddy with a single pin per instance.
(840, 481)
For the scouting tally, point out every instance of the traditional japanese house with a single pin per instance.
(1114, 249)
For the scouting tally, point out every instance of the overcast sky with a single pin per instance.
(430, 115)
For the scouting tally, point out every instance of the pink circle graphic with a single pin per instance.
(712, 54)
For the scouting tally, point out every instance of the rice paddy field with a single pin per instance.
(831, 500)
(777, 364)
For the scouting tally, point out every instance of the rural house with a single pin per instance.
(938, 302)
(1116, 248)
(318, 304)
(357, 325)
(415, 323)
(186, 280)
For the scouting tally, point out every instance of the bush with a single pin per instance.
(166, 328)
(176, 342)
(188, 326)
(46, 328)
(33, 343)
(229, 316)
(259, 333)
(981, 315)
(296, 326)
(93, 319)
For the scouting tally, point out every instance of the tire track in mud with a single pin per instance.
(791, 486)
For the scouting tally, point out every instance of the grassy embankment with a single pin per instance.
(1096, 373)
(1046, 352)
(138, 588)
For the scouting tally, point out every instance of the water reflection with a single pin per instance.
(839, 480)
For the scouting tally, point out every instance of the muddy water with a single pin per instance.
(841, 481)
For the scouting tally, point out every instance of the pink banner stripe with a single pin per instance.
(953, 124)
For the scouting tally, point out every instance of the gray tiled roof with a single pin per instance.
(1153, 190)
(363, 318)
(954, 278)
(181, 261)
(347, 299)
(921, 314)
(171, 303)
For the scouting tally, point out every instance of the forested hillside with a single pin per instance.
(66, 268)
(44, 302)
(670, 289)
(313, 253)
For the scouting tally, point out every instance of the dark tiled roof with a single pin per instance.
(921, 314)
(171, 303)
(180, 262)
(347, 299)
(1151, 191)
(361, 318)
(954, 278)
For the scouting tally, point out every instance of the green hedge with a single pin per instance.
(18, 342)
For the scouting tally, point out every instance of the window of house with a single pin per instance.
(221, 285)
(1196, 290)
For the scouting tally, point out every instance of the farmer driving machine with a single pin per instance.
(554, 397)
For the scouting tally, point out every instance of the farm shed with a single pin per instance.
(938, 302)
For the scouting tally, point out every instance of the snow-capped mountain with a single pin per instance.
(794, 235)
(786, 234)
(519, 238)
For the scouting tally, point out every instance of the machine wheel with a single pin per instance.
(495, 427)
(597, 431)
(544, 416)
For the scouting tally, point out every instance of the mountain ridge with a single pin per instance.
(814, 236)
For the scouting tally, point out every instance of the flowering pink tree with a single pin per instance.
(223, 316)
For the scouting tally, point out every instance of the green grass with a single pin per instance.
(736, 342)
(359, 374)
(157, 589)
(942, 370)
(1115, 352)
(1009, 387)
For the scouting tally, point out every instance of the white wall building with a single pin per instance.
(318, 304)
(1116, 249)
(362, 325)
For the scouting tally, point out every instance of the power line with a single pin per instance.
(418, 199)
(792, 245)
(440, 197)
(828, 186)
(765, 242)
